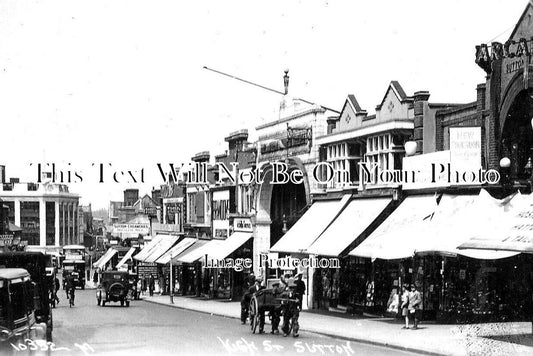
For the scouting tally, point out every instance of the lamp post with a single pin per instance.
(171, 281)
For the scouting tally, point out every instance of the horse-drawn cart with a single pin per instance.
(267, 300)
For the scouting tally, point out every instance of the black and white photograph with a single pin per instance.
(242, 178)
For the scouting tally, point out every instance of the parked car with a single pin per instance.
(114, 287)
(35, 263)
(17, 313)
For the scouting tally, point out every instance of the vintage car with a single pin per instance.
(75, 268)
(18, 324)
(36, 264)
(114, 287)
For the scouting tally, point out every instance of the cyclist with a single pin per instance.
(70, 288)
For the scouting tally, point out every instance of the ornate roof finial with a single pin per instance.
(286, 81)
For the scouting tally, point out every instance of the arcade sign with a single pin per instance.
(486, 55)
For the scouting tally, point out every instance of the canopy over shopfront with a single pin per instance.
(229, 245)
(126, 257)
(197, 251)
(310, 226)
(102, 261)
(396, 237)
(148, 248)
(458, 217)
(176, 250)
(348, 226)
(164, 244)
(512, 231)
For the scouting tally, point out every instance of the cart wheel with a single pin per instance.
(254, 314)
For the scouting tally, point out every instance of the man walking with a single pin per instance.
(299, 289)
(415, 305)
(151, 285)
(245, 300)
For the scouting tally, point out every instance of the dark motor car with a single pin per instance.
(35, 263)
(114, 287)
(17, 312)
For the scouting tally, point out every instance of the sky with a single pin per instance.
(122, 82)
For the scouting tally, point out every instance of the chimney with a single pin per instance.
(419, 98)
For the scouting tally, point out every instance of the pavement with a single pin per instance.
(509, 338)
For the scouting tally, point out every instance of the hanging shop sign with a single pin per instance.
(242, 224)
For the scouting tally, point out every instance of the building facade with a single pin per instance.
(47, 213)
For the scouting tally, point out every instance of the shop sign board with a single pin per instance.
(424, 171)
(9, 240)
(242, 224)
(137, 228)
(465, 148)
(73, 256)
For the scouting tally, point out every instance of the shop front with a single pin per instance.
(339, 287)
(299, 238)
(418, 243)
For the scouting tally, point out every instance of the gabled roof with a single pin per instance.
(140, 201)
(398, 91)
(520, 20)
(353, 101)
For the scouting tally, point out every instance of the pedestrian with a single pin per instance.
(405, 306)
(317, 288)
(56, 288)
(299, 289)
(415, 305)
(151, 285)
(326, 292)
(277, 290)
(246, 296)
(139, 289)
(256, 288)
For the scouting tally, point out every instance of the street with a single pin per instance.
(150, 329)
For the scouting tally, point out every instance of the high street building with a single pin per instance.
(47, 213)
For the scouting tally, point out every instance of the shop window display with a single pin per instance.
(477, 290)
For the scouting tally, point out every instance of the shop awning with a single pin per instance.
(511, 230)
(105, 258)
(236, 240)
(176, 250)
(163, 246)
(126, 257)
(148, 248)
(458, 217)
(310, 226)
(396, 237)
(197, 251)
(351, 223)
(13, 228)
